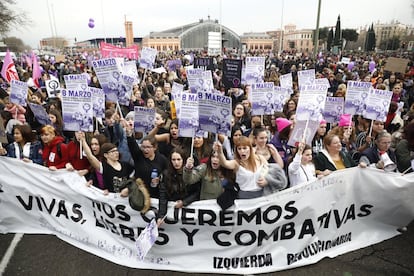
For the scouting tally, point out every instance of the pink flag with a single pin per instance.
(37, 72)
(8, 71)
(29, 61)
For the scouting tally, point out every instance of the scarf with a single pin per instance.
(22, 153)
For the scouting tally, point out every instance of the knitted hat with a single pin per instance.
(282, 123)
(345, 120)
(322, 122)
(131, 115)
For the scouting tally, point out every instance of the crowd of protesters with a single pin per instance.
(253, 161)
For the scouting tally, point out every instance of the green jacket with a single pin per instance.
(210, 188)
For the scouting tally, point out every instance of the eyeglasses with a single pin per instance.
(114, 150)
(146, 147)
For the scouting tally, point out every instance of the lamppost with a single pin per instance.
(316, 43)
(281, 30)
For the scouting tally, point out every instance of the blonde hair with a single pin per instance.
(48, 129)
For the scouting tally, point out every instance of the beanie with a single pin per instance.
(345, 120)
(130, 115)
(282, 123)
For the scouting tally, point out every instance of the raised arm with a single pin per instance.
(228, 164)
(92, 159)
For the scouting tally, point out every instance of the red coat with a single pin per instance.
(74, 157)
(50, 155)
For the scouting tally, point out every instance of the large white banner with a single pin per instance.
(281, 231)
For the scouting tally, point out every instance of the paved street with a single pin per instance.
(47, 255)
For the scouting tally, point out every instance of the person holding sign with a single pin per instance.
(75, 153)
(302, 169)
(213, 177)
(364, 139)
(25, 146)
(173, 187)
(17, 111)
(55, 151)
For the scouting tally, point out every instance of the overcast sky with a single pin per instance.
(70, 18)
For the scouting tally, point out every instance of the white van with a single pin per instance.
(3, 54)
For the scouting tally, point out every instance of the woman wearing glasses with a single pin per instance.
(149, 162)
(114, 172)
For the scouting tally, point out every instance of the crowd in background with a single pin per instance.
(253, 161)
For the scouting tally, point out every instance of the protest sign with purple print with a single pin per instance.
(195, 79)
(254, 72)
(98, 102)
(188, 120)
(262, 98)
(18, 92)
(311, 102)
(306, 77)
(143, 119)
(334, 108)
(146, 239)
(109, 73)
(356, 95)
(76, 81)
(377, 104)
(130, 69)
(215, 113)
(280, 96)
(176, 91)
(303, 130)
(147, 58)
(286, 81)
(40, 114)
(77, 110)
(174, 64)
(125, 91)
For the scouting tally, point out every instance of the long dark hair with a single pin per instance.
(173, 178)
(235, 128)
(26, 131)
(226, 173)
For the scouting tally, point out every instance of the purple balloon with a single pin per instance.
(91, 25)
(371, 66)
(351, 65)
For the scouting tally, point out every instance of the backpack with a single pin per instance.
(59, 149)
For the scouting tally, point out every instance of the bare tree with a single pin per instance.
(412, 6)
(10, 18)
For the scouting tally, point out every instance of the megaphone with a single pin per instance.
(389, 166)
